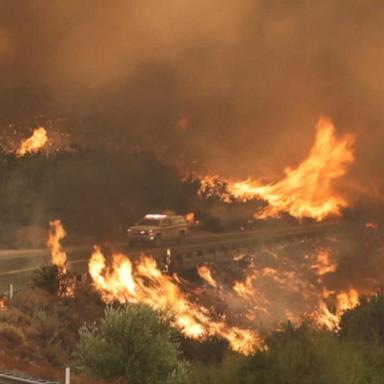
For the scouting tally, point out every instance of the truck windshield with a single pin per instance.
(151, 222)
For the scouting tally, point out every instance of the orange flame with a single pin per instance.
(206, 274)
(34, 143)
(147, 284)
(190, 217)
(347, 300)
(3, 305)
(57, 233)
(344, 302)
(324, 263)
(244, 288)
(305, 191)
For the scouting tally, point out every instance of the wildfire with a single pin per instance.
(244, 289)
(143, 282)
(34, 143)
(324, 263)
(206, 274)
(3, 305)
(305, 191)
(59, 256)
(345, 301)
(190, 218)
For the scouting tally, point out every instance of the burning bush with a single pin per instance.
(131, 342)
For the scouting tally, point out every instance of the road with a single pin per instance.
(15, 265)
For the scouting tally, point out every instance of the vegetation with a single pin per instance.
(366, 322)
(97, 194)
(47, 278)
(132, 342)
(301, 356)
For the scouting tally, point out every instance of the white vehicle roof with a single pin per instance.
(158, 216)
(155, 216)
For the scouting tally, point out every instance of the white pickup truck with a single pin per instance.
(158, 228)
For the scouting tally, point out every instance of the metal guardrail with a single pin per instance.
(7, 378)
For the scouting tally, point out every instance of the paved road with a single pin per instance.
(15, 265)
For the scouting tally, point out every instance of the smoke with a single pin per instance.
(248, 79)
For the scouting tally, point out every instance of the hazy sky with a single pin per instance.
(234, 86)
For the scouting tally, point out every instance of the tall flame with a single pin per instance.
(59, 256)
(34, 143)
(307, 190)
(145, 283)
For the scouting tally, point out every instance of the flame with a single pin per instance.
(3, 305)
(143, 282)
(324, 263)
(244, 288)
(305, 191)
(206, 274)
(345, 300)
(34, 143)
(190, 217)
(58, 255)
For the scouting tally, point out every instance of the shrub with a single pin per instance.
(229, 371)
(132, 342)
(210, 351)
(10, 336)
(365, 322)
(47, 278)
(47, 324)
(307, 356)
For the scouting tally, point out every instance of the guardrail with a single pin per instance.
(7, 378)
(200, 248)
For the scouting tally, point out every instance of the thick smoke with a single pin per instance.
(233, 87)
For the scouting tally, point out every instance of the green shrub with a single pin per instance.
(366, 322)
(131, 342)
(301, 355)
(307, 356)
